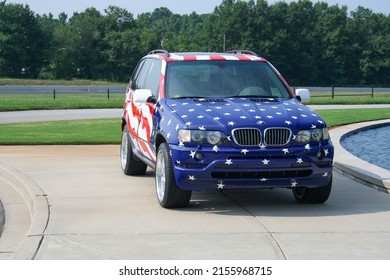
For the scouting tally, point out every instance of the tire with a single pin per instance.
(168, 194)
(313, 195)
(130, 164)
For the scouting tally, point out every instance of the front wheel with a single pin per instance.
(313, 195)
(168, 194)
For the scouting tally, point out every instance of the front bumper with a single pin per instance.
(202, 168)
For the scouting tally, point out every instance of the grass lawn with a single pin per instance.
(107, 131)
(19, 102)
(98, 131)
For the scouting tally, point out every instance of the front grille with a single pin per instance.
(247, 137)
(277, 136)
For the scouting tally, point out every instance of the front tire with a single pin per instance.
(130, 164)
(168, 194)
(313, 195)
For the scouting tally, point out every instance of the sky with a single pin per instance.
(176, 6)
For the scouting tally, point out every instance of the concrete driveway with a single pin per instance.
(73, 202)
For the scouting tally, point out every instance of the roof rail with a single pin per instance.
(243, 52)
(165, 52)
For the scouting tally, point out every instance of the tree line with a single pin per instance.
(314, 44)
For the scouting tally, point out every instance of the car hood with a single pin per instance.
(230, 113)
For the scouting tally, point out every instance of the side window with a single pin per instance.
(136, 73)
(153, 77)
(140, 81)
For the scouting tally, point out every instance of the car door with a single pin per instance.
(146, 129)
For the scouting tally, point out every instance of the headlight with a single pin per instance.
(316, 135)
(201, 136)
(214, 137)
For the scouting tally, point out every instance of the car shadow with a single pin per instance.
(352, 200)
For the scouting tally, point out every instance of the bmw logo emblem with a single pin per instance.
(260, 122)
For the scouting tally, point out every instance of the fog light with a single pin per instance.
(199, 156)
(319, 154)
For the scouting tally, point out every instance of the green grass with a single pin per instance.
(347, 116)
(19, 102)
(91, 132)
(107, 131)
(323, 98)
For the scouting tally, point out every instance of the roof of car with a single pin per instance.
(191, 56)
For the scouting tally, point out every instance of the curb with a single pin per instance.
(28, 195)
(348, 164)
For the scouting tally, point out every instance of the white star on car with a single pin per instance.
(307, 147)
(326, 152)
(220, 185)
(244, 151)
(265, 161)
(294, 184)
(288, 122)
(263, 180)
(202, 128)
(262, 146)
(191, 178)
(299, 160)
(192, 154)
(229, 162)
(215, 148)
(231, 123)
(286, 151)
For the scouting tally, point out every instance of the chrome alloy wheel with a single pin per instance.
(160, 176)
(124, 150)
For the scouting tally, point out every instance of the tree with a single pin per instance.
(22, 43)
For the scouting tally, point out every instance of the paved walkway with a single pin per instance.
(73, 202)
(55, 115)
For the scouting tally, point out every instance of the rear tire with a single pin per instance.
(168, 194)
(313, 195)
(130, 164)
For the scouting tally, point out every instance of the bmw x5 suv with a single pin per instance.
(222, 121)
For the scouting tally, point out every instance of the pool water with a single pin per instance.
(371, 145)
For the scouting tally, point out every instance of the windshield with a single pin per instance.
(223, 79)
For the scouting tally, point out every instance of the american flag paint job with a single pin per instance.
(229, 165)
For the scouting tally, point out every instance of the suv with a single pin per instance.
(222, 121)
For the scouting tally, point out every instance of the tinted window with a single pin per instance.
(153, 77)
(136, 72)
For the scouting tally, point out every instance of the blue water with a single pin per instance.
(372, 145)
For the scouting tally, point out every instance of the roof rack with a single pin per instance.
(243, 52)
(165, 52)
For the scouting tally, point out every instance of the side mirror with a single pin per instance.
(141, 95)
(152, 99)
(302, 94)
